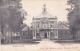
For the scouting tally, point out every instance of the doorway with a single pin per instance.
(45, 35)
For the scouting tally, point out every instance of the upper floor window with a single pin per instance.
(51, 26)
(38, 26)
(44, 26)
(52, 22)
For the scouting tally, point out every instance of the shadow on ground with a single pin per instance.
(31, 41)
(68, 41)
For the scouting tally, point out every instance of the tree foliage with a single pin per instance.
(74, 15)
(11, 14)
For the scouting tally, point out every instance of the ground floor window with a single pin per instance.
(38, 34)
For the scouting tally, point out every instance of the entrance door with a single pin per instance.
(45, 35)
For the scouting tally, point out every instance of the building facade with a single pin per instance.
(64, 31)
(46, 26)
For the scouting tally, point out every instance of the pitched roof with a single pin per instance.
(45, 13)
(63, 25)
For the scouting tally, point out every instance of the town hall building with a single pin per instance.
(45, 25)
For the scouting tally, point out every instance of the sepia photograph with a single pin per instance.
(40, 25)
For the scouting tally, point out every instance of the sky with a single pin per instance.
(54, 7)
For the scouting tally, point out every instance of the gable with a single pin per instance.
(63, 26)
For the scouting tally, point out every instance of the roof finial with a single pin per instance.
(44, 7)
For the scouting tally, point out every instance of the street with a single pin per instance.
(44, 45)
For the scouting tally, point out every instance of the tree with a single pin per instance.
(11, 15)
(2, 16)
(74, 17)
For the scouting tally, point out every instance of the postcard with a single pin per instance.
(40, 25)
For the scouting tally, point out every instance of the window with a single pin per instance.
(38, 34)
(38, 26)
(48, 34)
(52, 22)
(60, 32)
(45, 26)
(51, 26)
(66, 33)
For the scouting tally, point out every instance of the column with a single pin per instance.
(56, 36)
(42, 34)
(78, 34)
(34, 34)
(49, 34)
